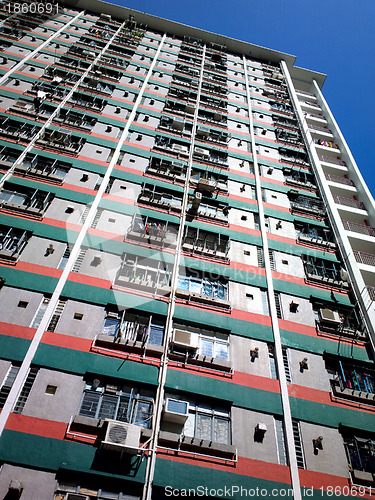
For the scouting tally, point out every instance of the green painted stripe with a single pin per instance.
(13, 348)
(239, 395)
(331, 416)
(181, 476)
(52, 454)
(307, 291)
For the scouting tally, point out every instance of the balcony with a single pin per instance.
(175, 125)
(86, 101)
(171, 170)
(203, 290)
(326, 144)
(211, 102)
(349, 202)
(208, 181)
(207, 209)
(166, 199)
(58, 76)
(70, 62)
(304, 180)
(193, 42)
(132, 331)
(368, 259)
(340, 322)
(150, 231)
(76, 120)
(309, 206)
(303, 92)
(358, 228)
(294, 139)
(97, 86)
(171, 146)
(187, 70)
(295, 158)
(103, 72)
(82, 53)
(278, 95)
(120, 51)
(339, 180)
(48, 91)
(36, 109)
(324, 271)
(215, 157)
(114, 62)
(43, 168)
(62, 140)
(312, 104)
(143, 274)
(316, 128)
(284, 123)
(282, 108)
(199, 242)
(16, 130)
(212, 135)
(184, 82)
(334, 161)
(12, 242)
(30, 202)
(214, 89)
(354, 383)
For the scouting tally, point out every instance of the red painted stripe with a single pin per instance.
(36, 426)
(276, 207)
(105, 234)
(326, 398)
(38, 269)
(118, 199)
(89, 280)
(66, 341)
(244, 230)
(244, 467)
(272, 181)
(318, 480)
(11, 330)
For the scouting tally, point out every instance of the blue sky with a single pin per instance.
(335, 37)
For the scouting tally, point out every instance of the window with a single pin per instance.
(78, 316)
(124, 404)
(203, 286)
(22, 304)
(361, 453)
(51, 390)
(133, 326)
(211, 424)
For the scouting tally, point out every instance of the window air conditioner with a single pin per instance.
(176, 411)
(202, 153)
(178, 123)
(179, 148)
(185, 339)
(122, 436)
(75, 496)
(329, 316)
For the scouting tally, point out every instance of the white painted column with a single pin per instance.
(273, 313)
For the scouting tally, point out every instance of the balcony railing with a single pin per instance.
(339, 180)
(358, 228)
(327, 144)
(364, 258)
(320, 129)
(335, 161)
(349, 202)
(312, 104)
(305, 93)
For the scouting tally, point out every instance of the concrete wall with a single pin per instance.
(247, 298)
(243, 430)
(96, 152)
(332, 457)
(106, 130)
(272, 173)
(240, 348)
(75, 177)
(276, 198)
(4, 369)
(287, 228)
(37, 485)
(35, 252)
(289, 264)
(135, 162)
(241, 218)
(315, 376)
(87, 327)
(59, 406)
(304, 314)
(10, 312)
(114, 222)
(239, 253)
(100, 264)
(62, 210)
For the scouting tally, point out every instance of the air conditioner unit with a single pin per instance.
(176, 411)
(329, 316)
(178, 123)
(179, 148)
(75, 496)
(202, 153)
(121, 436)
(185, 339)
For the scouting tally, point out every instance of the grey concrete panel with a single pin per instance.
(35, 252)
(37, 485)
(4, 369)
(12, 302)
(314, 376)
(100, 264)
(65, 210)
(59, 406)
(81, 320)
(113, 222)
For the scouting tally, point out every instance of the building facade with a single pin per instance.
(187, 266)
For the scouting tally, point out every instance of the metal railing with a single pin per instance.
(328, 159)
(339, 180)
(320, 129)
(358, 228)
(349, 202)
(364, 258)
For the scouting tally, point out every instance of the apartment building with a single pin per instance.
(187, 266)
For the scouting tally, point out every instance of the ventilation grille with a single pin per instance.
(26, 390)
(56, 316)
(286, 365)
(298, 444)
